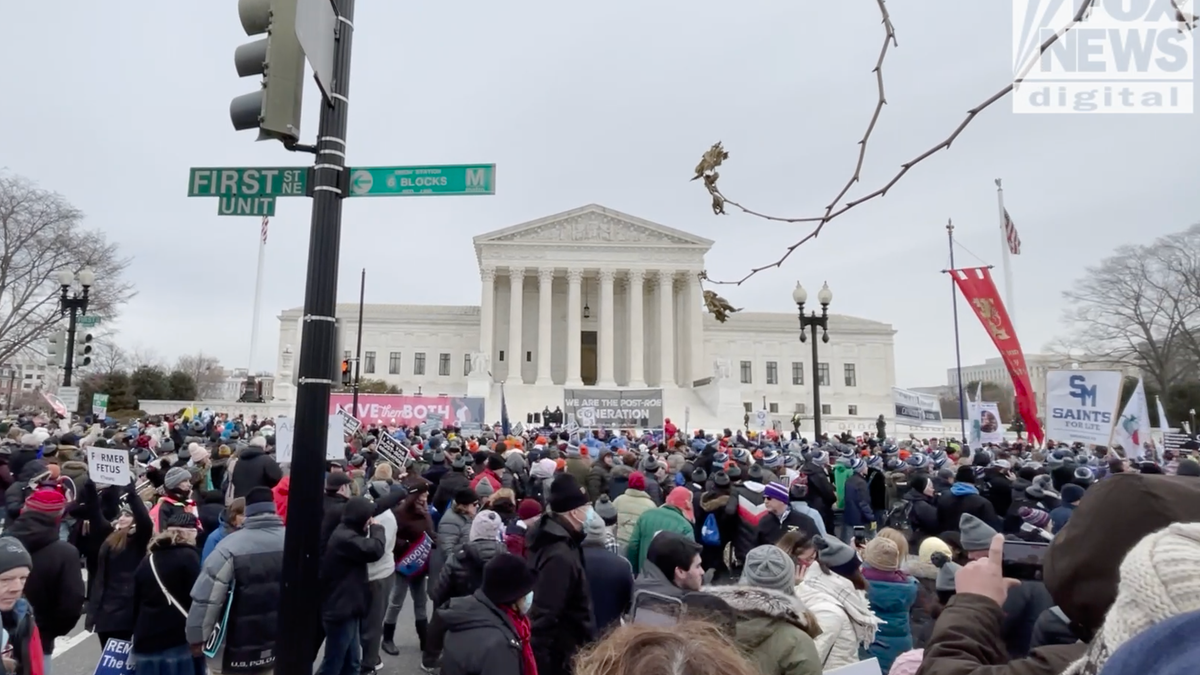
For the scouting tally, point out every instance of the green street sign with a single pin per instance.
(246, 206)
(405, 181)
(88, 321)
(248, 182)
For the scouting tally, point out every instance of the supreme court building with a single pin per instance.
(595, 297)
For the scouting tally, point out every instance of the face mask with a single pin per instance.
(525, 603)
(591, 514)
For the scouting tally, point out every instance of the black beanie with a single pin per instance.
(918, 483)
(965, 474)
(182, 519)
(259, 495)
(495, 462)
(465, 497)
(565, 494)
(506, 579)
(13, 555)
(720, 478)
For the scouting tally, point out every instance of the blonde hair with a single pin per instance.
(382, 472)
(687, 648)
(502, 493)
(896, 537)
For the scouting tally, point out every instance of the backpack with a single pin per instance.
(710, 534)
(898, 516)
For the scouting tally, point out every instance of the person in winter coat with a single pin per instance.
(798, 497)
(250, 560)
(254, 468)
(491, 474)
(231, 520)
(891, 594)
(1080, 570)
(618, 477)
(463, 573)
(714, 503)
(561, 613)
(110, 607)
(674, 516)
(161, 600)
(452, 482)
(356, 542)
(280, 494)
(598, 479)
(454, 529)
(1071, 494)
(877, 487)
(577, 465)
(609, 576)
(177, 498)
(774, 626)
(780, 518)
(338, 490)
(856, 510)
(847, 623)
(630, 507)
(923, 521)
(55, 587)
(964, 497)
(23, 654)
(489, 632)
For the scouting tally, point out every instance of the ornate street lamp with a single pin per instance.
(813, 321)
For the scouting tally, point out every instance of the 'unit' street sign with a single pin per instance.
(395, 181)
(246, 206)
(248, 182)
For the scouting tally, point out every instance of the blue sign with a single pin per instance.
(115, 659)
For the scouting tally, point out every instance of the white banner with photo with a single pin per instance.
(986, 425)
(916, 409)
(1081, 405)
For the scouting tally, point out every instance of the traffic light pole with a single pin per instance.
(69, 357)
(299, 607)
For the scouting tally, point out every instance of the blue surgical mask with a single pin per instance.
(591, 513)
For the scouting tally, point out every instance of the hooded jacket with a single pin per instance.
(561, 618)
(774, 629)
(479, 639)
(462, 574)
(55, 585)
(847, 623)
(352, 547)
(618, 480)
(254, 468)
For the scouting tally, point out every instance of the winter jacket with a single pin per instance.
(964, 498)
(618, 480)
(251, 561)
(598, 481)
(25, 641)
(877, 489)
(924, 612)
(492, 479)
(630, 507)
(662, 519)
(821, 494)
(746, 503)
(999, 489)
(774, 629)
(1052, 628)
(451, 483)
(280, 494)
(55, 585)
(856, 509)
(771, 529)
(891, 601)
(453, 531)
(110, 607)
(923, 521)
(610, 583)
(462, 574)
(812, 514)
(561, 617)
(332, 517)
(214, 538)
(1023, 607)
(158, 625)
(254, 468)
(344, 566)
(580, 468)
(479, 639)
(838, 608)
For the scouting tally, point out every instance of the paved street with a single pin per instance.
(78, 653)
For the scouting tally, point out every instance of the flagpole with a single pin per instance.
(962, 406)
(1009, 302)
(258, 281)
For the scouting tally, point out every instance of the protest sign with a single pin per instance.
(108, 466)
(100, 406)
(1082, 404)
(115, 658)
(285, 433)
(614, 408)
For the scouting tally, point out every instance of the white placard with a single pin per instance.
(69, 397)
(285, 432)
(761, 420)
(1082, 405)
(108, 466)
(868, 667)
(335, 439)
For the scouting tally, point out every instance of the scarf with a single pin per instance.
(520, 624)
(852, 601)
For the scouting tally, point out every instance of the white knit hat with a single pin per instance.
(1159, 580)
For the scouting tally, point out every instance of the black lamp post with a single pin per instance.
(813, 321)
(71, 304)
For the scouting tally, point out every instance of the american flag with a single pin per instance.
(1010, 234)
(267, 220)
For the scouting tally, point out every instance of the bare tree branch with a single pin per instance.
(707, 169)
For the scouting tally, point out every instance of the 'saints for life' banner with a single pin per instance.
(978, 288)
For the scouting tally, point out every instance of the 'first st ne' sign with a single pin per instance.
(248, 182)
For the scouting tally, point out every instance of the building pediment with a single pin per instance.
(593, 224)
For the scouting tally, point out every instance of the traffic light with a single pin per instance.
(275, 108)
(56, 348)
(347, 380)
(83, 349)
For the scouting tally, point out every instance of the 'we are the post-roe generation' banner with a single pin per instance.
(397, 409)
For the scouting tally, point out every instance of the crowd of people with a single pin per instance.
(548, 553)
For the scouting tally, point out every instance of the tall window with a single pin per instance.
(369, 362)
(851, 375)
(826, 409)
(772, 372)
(797, 373)
(747, 374)
(748, 406)
(823, 374)
(466, 364)
(419, 363)
(394, 363)
(443, 365)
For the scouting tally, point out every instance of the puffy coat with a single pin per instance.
(462, 574)
(618, 480)
(856, 510)
(775, 629)
(630, 507)
(662, 519)
(480, 639)
(891, 601)
(561, 617)
(453, 531)
(254, 468)
(838, 608)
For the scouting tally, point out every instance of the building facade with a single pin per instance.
(596, 298)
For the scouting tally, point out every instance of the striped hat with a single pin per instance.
(46, 500)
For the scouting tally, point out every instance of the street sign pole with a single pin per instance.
(299, 607)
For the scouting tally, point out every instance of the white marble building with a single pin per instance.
(594, 297)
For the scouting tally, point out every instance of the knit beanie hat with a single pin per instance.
(907, 663)
(13, 555)
(507, 579)
(565, 494)
(605, 509)
(776, 491)
(487, 526)
(259, 500)
(946, 575)
(594, 530)
(197, 453)
(528, 508)
(176, 477)
(681, 498)
(182, 520)
(769, 567)
(933, 545)
(976, 534)
(1035, 517)
(637, 481)
(838, 555)
(1158, 581)
(882, 554)
(1072, 493)
(46, 500)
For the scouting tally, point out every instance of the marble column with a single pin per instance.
(515, 354)
(666, 327)
(695, 323)
(604, 357)
(487, 311)
(636, 333)
(545, 321)
(574, 313)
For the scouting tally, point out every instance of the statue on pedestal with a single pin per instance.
(481, 365)
(881, 428)
(721, 369)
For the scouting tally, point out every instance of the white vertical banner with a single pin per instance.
(285, 433)
(1132, 431)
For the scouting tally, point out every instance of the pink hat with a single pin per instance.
(908, 663)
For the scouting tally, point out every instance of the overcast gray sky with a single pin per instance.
(110, 103)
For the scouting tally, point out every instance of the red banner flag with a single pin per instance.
(978, 288)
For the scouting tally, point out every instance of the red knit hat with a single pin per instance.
(637, 481)
(681, 498)
(46, 500)
(529, 508)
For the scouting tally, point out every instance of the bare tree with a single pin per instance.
(42, 236)
(205, 370)
(108, 357)
(1136, 309)
(140, 355)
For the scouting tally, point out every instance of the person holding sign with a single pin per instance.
(22, 650)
